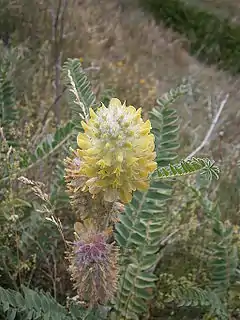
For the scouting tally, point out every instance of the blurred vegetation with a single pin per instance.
(213, 38)
(36, 133)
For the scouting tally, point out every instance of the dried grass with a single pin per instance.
(141, 60)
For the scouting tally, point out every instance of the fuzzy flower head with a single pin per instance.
(117, 151)
(93, 265)
(93, 251)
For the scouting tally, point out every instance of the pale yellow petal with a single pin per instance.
(145, 128)
(114, 102)
(85, 126)
(92, 113)
(83, 141)
(142, 185)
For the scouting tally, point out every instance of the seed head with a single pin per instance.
(93, 266)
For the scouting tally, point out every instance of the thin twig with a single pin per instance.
(57, 86)
(209, 133)
(57, 42)
(162, 245)
(53, 105)
(92, 68)
(2, 135)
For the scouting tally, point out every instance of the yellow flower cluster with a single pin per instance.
(116, 151)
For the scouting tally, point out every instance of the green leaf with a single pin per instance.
(39, 305)
(11, 314)
(224, 259)
(81, 97)
(165, 125)
(196, 297)
(186, 167)
(7, 100)
(143, 222)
